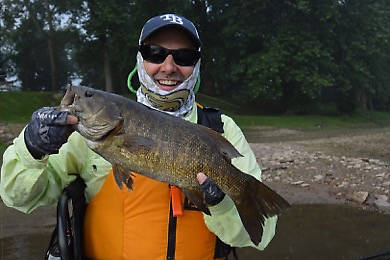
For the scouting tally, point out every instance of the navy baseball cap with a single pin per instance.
(169, 20)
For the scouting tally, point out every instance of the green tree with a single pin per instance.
(361, 52)
(271, 51)
(36, 31)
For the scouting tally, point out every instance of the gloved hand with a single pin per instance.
(213, 194)
(47, 131)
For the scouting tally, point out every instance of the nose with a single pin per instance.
(168, 66)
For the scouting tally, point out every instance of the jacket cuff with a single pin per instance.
(26, 158)
(221, 208)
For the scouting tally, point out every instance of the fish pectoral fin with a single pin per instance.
(138, 144)
(197, 198)
(123, 176)
(229, 153)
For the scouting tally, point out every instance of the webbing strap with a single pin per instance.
(70, 229)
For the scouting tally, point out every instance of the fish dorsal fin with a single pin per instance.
(225, 147)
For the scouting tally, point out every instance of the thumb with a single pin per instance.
(71, 120)
(201, 177)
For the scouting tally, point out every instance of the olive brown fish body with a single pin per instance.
(135, 138)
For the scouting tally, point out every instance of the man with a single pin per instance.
(140, 224)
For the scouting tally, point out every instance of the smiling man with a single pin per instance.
(168, 72)
(156, 220)
(168, 64)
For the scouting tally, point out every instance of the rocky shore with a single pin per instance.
(340, 169)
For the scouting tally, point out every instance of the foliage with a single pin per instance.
(38, 42)
(285, 56)
(227, 106)
(362, 54)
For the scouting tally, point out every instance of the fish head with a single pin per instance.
(99, 116)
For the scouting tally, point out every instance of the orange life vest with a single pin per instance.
(120, 224)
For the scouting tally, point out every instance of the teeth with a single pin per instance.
(167, 82)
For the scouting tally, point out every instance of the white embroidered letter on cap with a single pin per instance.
(172, 18)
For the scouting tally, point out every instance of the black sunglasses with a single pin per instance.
(157, 54)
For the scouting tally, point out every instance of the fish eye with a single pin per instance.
(88, 93)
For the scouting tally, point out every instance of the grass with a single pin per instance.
(303, 121)
(17, 106)
(247, 118)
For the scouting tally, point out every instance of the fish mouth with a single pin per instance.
(97, 126)
(97, 120)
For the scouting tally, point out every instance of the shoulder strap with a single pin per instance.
(210, 117)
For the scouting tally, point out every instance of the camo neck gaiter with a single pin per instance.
(178, 102)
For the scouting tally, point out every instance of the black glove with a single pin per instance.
(213, 194)
(46, 132)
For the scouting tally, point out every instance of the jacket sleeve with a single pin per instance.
(225, 221)
(27, 183)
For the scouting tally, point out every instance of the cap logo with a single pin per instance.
(172, 18)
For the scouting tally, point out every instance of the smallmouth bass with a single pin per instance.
(135, 138)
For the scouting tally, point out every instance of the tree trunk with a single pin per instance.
(53, 65)
(370, 102)
(288, 95)
(107, 71)
(50, 37)
(362, 99)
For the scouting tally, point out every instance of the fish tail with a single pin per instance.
(255, 203)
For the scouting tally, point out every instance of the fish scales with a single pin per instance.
(135, 138)
(170, 146)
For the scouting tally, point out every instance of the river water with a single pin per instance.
(303, 232)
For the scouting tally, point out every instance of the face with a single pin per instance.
(168, 75)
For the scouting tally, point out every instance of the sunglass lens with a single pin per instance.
(153, 53)
(185, 57)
